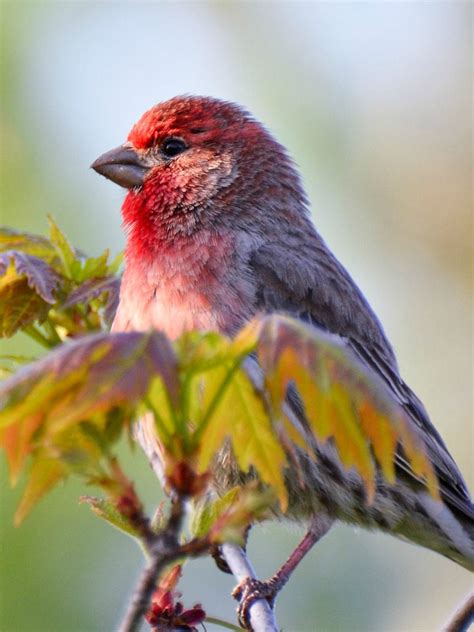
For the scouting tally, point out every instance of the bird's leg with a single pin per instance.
(250, 590)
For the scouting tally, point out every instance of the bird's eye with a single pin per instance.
(173, 146)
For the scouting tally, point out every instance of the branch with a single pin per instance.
(163, 551)
(462, 618)
(262, 618)
(144, 591)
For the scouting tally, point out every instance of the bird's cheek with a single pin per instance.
(205, 176)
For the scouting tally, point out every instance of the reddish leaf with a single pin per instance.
(40, 276)
(81, 380)
(27, 286)
(19, 304)
(92, 288)
(16, 441)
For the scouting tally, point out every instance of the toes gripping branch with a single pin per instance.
(257, 598)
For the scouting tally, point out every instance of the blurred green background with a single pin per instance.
(374, 102)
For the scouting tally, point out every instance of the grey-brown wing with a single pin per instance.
(311, 284)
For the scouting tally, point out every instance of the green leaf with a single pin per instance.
(250, 504)
(94, 267)
(226, 519)
(205, 513)
(16, 440)
(19, 304)
(241, 415)
(199, 352)
(114, 265)
(63, 248)
(114, 422)
(107, 511)
(35, 245)
(159, 403)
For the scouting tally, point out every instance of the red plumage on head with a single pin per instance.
(175, 193)
(200, 119)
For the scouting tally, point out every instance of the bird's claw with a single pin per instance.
(247, 592)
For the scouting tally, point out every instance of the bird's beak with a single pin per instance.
(123, 165)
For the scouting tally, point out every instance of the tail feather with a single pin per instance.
(457, 528)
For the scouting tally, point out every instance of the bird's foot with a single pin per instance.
(250, 590)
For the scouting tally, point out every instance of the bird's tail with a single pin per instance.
(455, 530)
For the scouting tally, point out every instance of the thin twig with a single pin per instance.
(261, 615)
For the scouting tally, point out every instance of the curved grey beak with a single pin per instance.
(123, 165)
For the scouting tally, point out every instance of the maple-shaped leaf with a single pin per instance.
(254, 440)
(93, 288)
(223, 402)
(30, 244)
(40, 276)
(218, 401)
(81, 380)
(76, 266)
(343, 400)
(27, 288)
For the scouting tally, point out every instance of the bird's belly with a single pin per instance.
(172, 312)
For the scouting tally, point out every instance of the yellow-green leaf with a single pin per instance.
(64, 250)
(107, 511)
(241, 416)
(83, 380)
(45, 473)
(205, 513)
(342, 399)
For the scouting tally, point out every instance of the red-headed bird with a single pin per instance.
(218, 230)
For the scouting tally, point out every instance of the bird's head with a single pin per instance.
(197, 161)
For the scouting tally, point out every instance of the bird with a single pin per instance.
(219, 230)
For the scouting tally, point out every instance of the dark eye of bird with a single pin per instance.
(173, 146)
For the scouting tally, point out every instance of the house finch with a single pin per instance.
(218, 230)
